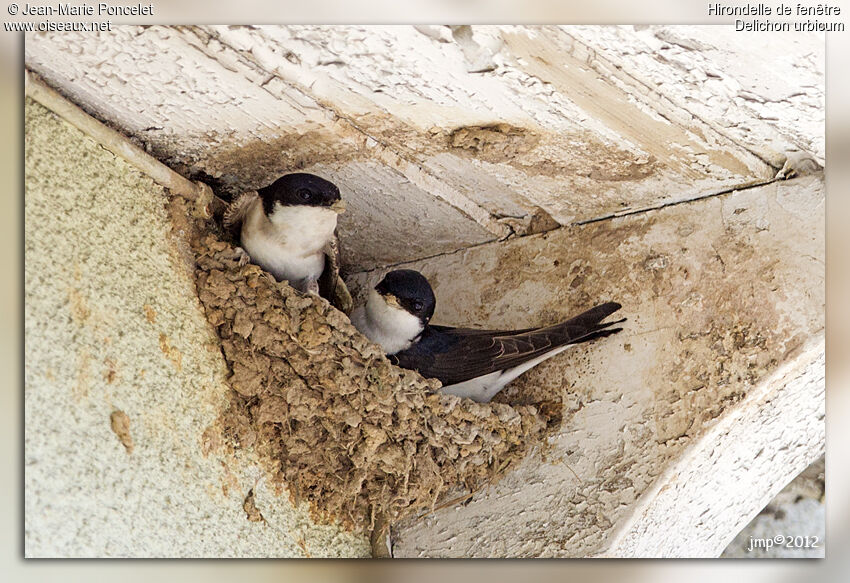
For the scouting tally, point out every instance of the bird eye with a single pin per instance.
(304, 194)
(417, 306)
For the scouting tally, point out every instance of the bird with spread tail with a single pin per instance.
(469, 362)
(289, 229)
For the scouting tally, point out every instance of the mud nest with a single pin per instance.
(340, 426)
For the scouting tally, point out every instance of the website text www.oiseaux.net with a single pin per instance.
(50, 26)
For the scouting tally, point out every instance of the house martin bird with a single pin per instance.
(288, 229)
(469, 362)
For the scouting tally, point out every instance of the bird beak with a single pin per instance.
(392, 300)
(338, 207)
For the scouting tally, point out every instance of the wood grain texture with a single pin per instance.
(483, 125)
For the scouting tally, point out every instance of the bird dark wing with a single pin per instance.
(237, 210)
(454, 355)
(476, 331)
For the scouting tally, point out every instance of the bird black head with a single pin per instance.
(412, 291)
(299, 189)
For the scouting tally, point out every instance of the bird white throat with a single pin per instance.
(290, 242)
(383, 321)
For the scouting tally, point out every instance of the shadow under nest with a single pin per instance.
(336, 423)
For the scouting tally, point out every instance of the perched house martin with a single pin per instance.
(288, 229)
(470, 363)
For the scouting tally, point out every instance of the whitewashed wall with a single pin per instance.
(441, 138)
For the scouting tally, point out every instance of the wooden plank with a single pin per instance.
(493, 121)
(720, 295)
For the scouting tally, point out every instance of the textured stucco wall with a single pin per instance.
(112, 323)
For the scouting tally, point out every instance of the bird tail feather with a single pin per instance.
(589, 326)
